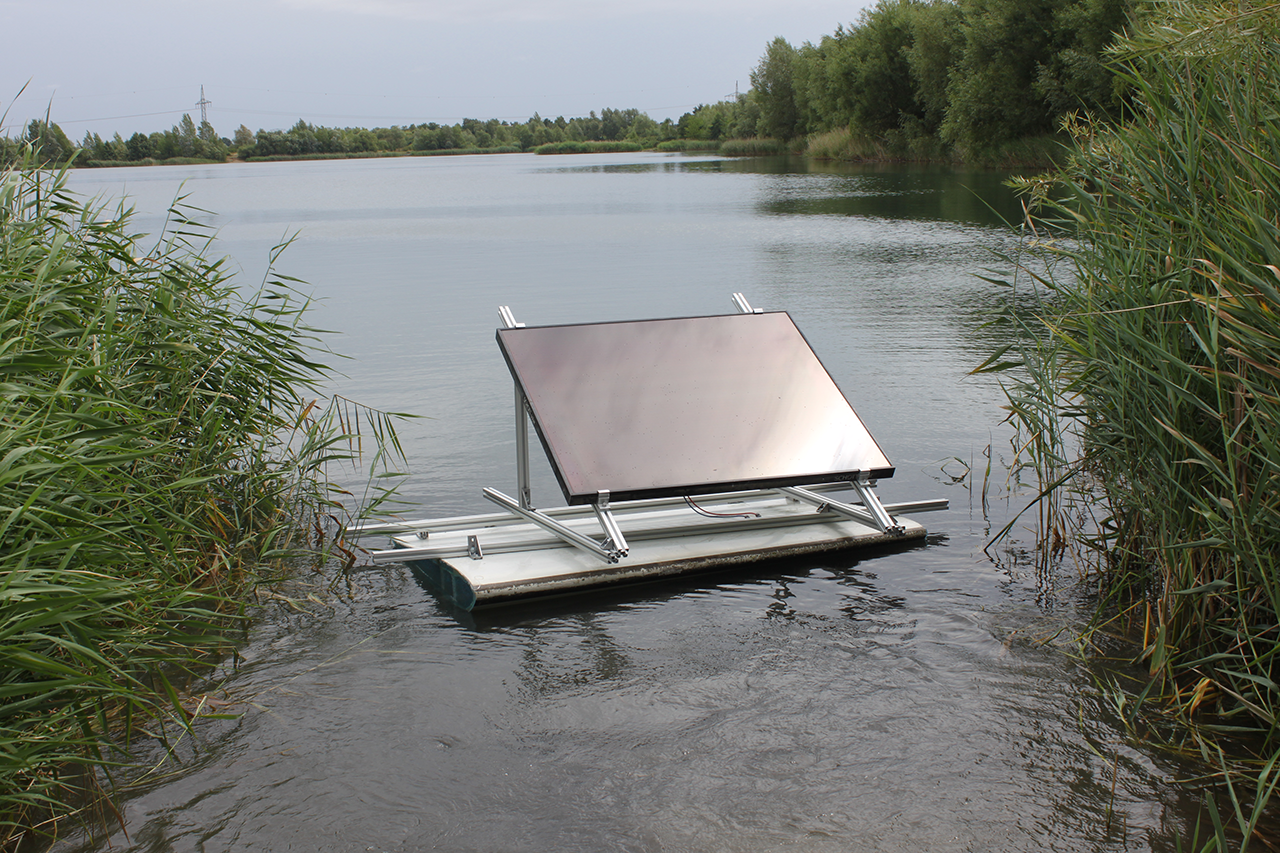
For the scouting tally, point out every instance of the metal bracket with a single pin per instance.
(524, 492)
(609, 552)
(508, 319)
(872, 512)
(473, 548)
(872, 502)
(613, 533)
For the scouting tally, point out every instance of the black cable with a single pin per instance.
(709, 514)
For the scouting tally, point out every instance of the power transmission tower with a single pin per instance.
(203, 104)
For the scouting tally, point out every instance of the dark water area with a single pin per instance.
(929, 697)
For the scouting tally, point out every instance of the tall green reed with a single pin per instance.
(1160, 352)
(164, 446)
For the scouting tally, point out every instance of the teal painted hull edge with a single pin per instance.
(448, 583)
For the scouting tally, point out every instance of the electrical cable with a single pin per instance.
(709, 514)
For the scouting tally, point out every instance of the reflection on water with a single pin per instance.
(803, 187)
(908, 699)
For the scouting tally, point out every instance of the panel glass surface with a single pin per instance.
(687, 406)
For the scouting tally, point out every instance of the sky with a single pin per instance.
(138, 65)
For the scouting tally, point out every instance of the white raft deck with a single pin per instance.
(488, 559)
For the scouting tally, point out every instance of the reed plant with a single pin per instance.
(163, 448)
(1152, 385)
(1021, 155)
(342, 155)
(81, 163)
(842, 144)
(752, 147)
(589, 147)
(906, 146)
(688, 145)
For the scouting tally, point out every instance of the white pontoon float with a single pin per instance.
(681, 445)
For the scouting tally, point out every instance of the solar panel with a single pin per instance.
(687, 406)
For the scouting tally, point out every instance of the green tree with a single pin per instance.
(991, 93)
(1075, 76)
(186, 137)
(872, 65)
(139, 147)
(53, 144)
(164, 144)
(10, 151)
(303, 138)
(936, 46)
(391, 138)
(360, 139)
(643, 128)
(591, 128)
(116, 149)
(772, 82)
(426, 138)
(93, 147)
(712, 121)
(329, 140)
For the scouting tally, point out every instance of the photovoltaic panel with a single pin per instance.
(687, 406)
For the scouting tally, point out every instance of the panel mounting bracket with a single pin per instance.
(608, 551)
(872, 512)
(613, 533)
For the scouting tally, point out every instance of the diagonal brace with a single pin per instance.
(872, 512)
(609, 552)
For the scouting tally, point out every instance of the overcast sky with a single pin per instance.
(138, 65)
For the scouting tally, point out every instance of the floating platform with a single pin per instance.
(480, 560)
(640, 418)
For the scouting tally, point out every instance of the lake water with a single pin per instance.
(922, 698)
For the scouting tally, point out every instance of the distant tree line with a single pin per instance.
(931, 76)
(183, 141)
(187, 141)
(468, 135)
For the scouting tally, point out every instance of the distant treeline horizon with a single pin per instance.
(912, 79)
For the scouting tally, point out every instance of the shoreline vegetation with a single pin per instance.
(164, 452)
(838, 145)
(1146, 394)
(983, 83)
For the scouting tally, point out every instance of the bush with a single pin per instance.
(160, 443)
(689, 145)
(752, 147)
(587, 147)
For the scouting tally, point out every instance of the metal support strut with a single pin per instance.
(609, 552)
(871, 512)
(614, 546)
(613, 533)
(523, 491)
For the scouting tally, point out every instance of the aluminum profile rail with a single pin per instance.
(491, 528)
